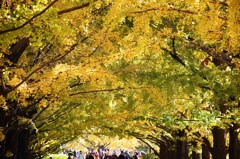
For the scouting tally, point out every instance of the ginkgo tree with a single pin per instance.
(36, 37)
(165, 72)
(211, 70)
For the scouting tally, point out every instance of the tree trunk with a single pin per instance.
(2, 149)
(15, 144)
(205, 151)
(195, 155)
(172, 154)
(163, 151)
(23, 142)
(17, 50)
(233, 142)
(2, 124)
(219, 143)
(12, 144)
(182, 147)
(168, 151)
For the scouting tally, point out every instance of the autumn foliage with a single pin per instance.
(163, 71)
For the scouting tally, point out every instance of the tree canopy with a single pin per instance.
(162, 71)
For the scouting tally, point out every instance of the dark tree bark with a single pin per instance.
(12, 144)
(17, 50)
(172, 153)
(163, 151)
(2, 124)
(182, 146)
(23, 142)
(167, 151)
(219, 143)
(206, 149)
(233, 142)
(195, 155)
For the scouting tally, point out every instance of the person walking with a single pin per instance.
(140, 155)
(127, 156)
(74, 154)
(101, 153)
(96, 155)
(121, 156)
(69, 156)
(80, 155)
(135, 155)
(89, 156)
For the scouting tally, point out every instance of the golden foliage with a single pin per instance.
(115, 58)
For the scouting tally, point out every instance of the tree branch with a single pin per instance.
(29, 20)
(17, 50)
(56, 115)
(57, 58)
(73, 9)
(23, 111)
(97, 91)
(218, 57)
(167, 8)
(151, 147)
(207, 143)
(173, 53)
(43, 11)
(36, 116)
(104, 90)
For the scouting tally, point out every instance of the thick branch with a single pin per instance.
(173, 53)
(43, 11)
(30, 20)
(207, 143)
(223, 2)
(168, 8)
(57, 58)
(17, 50)
(23, 111)
(73, 9)
(154, 139)
(154, 150)
(218, 57)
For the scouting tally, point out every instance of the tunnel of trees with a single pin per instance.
(163, 72)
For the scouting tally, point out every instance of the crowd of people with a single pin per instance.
(104, 154)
